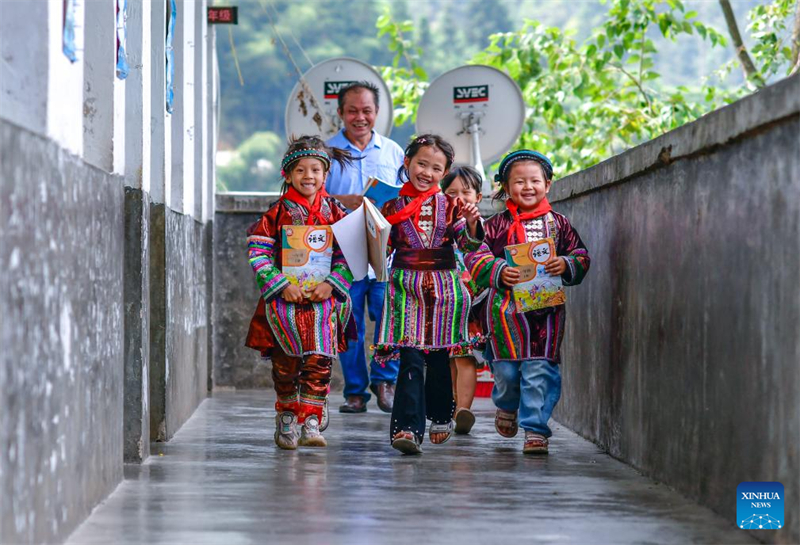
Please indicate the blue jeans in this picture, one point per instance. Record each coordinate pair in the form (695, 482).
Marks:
(531, 386)
(354, 361)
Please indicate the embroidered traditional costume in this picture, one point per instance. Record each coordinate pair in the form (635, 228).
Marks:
(300, 338)
(537, 333)
(427, 303)
(297, 329)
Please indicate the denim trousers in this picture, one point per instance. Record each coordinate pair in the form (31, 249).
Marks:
(532, 387)
(424, 390)
(367, 295)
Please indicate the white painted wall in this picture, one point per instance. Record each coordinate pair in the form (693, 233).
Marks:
(118, 125)
(64, 78)
(200, 112)
(138, 97)
(158, 109)
(118, 144)
(99, 79)
(211, 123)
(183, 166)
(23, 70)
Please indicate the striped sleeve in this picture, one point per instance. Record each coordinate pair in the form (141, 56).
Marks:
(572, 249)
(485, 268)
(340, 278)
(261, 253)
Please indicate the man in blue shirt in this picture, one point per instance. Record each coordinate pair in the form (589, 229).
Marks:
(380, 158)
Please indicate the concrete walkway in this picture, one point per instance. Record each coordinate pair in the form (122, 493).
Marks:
(221, 480)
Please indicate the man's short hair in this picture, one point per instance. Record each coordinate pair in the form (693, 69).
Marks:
(356, 86)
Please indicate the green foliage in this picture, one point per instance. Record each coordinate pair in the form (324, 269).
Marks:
(407, 83)
(255, 165)
(591, 99)
(772, 51)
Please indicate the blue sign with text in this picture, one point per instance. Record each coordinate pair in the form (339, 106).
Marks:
(759, 506)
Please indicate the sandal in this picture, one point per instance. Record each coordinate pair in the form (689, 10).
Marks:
(465, 419)
(505, 422)
(535, 443)
(440, 428)
(406, 442)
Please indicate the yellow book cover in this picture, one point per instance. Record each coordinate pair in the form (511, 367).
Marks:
(306, 254)
(536, 289)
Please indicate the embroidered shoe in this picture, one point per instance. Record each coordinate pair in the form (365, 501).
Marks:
(323, 425)
(310, 436)
(535, 443)
(286, 430)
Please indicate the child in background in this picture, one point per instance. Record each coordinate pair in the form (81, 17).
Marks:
(525, 348)
(464, 183)
(300, 331)
(426, 303)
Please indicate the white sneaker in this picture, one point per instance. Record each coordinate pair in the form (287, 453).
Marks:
(286, 430)
(310, 436)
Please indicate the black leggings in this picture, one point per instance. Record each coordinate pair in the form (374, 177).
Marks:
(418, 396)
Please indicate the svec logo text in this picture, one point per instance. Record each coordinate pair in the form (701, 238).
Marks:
(759, 506)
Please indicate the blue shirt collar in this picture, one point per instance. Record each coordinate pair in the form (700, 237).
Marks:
(375, 142)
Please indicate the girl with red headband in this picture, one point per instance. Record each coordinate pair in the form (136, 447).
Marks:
(426, 304)
(300, 331)
(524, 347)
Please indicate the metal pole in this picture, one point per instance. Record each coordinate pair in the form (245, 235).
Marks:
(474, 131)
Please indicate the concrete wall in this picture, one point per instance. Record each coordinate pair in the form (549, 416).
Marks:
(99, 272)
(236, 293)
(682, 351)
(61, 333)
(187, 318)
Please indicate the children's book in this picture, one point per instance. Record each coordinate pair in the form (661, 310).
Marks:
(363, 236)
(378, 230)
(306, 254)
(380, 191)
(536, 289)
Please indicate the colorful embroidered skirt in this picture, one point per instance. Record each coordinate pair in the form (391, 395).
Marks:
(426, 310)
(302, 329)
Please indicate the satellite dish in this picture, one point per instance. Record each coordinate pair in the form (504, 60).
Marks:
(478, 109)
(312, 106)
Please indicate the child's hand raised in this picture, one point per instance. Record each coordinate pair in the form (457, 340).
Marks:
(292, 294)
(321, 293)
(556, 266)
(509, 276)
(472, 215)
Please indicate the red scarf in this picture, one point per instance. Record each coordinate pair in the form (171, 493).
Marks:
(516, 227)
(413, 208)
(314, 210)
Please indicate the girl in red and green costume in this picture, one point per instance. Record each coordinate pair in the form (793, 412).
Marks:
(427, 305)
(301, 332)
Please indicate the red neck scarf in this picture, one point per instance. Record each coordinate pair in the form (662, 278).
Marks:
(413, 208)
(314, 210)
(516, 227)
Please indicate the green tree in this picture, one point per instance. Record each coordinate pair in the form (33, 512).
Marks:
(590, 99)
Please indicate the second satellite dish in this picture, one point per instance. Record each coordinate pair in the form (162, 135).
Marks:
(311, 108)
(478, 109)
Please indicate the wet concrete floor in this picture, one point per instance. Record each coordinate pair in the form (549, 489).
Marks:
(222, 480)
